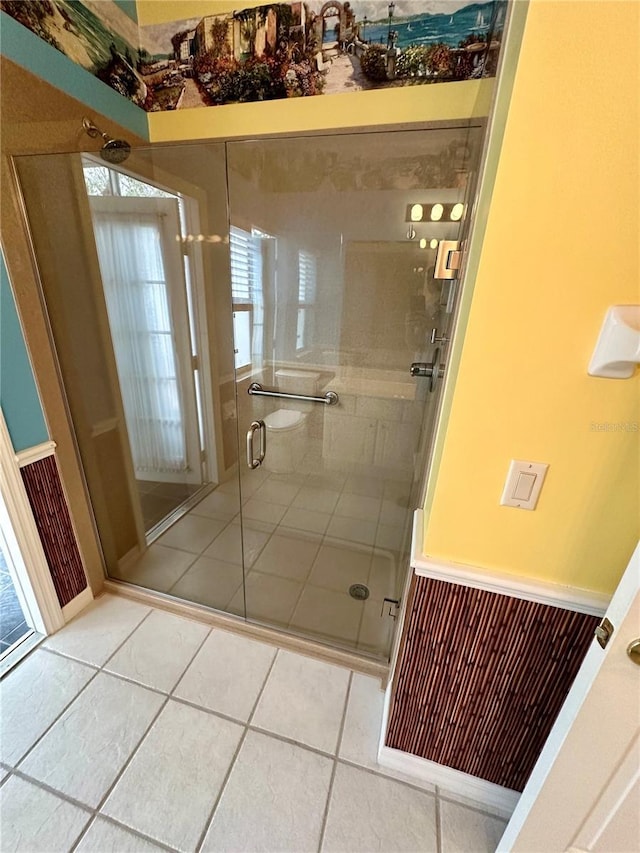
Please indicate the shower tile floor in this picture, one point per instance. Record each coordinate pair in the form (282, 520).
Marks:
(307, 539)
(147, 731)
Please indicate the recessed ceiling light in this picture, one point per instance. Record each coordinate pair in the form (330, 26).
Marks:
(434, 243)
(423, 243)
(436, 212)
(456, 212)
(416, 212)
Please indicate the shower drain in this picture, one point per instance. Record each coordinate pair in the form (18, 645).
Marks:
(359, 591)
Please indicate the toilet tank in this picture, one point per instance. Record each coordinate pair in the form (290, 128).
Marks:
(293, 381)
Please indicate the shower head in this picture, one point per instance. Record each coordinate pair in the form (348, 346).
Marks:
(113, 151)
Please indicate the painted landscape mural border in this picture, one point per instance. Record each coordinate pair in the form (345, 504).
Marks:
(272, 51)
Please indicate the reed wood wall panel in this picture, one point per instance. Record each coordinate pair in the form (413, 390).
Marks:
(44, 490)
(482, 678)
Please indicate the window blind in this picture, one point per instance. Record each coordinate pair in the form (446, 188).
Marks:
(307, 273)
(246, 265)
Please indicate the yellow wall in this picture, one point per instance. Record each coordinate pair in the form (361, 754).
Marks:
(442, 102)
(561, 245)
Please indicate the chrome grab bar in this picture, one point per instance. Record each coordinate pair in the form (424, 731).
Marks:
(329, 399)
(252, 460)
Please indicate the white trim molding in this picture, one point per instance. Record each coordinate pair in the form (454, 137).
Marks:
(23, 541)
(487, 795)
(82, 600)
(34, 454)
(502, 583)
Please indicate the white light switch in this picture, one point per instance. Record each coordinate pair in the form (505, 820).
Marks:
(523, 484)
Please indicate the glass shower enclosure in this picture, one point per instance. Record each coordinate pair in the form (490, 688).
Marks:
(236, 325)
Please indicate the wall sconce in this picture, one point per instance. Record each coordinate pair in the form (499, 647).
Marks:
(420, 212)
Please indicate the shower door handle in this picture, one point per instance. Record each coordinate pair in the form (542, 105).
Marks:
(254, 461)
(432, 370)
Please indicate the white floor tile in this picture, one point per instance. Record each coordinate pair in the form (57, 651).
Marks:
(306, 519)
(466, 831)
(277, 492)
(31, 697)
(227, 674)
(371, 813)
(168, 790)
(382, 575)
(228, 546)
(219, 505)
(352, 530)
(105, 837)
(376, 628)
(287, 556)
(192, 533)
(159, 651)
(339, 567)
(363, 722)
(267, 513)
(269, 598)
(389, 536)
(274, 799)
(369, 486)
(96, 633)
(327, 613)
(34, 820)
(317, 499)
(210, 582)
(393, 512)
(158, 568)
(303, 700)
(82, 754)
(358, 506)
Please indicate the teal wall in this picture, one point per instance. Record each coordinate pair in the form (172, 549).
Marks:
(27, 50)
(129, 8)
(18, 393)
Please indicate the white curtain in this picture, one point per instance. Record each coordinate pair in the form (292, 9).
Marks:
(136, 292)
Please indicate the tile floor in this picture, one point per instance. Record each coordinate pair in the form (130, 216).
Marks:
(307, 538)
(148, 732)
(158, 500)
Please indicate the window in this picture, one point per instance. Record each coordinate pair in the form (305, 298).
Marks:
(307, 274)
(246, 292)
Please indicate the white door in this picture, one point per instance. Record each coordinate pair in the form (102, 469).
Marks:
(584, 792)
(141, 263)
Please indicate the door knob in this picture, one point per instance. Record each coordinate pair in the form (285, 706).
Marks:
(432, 370)
(633, 650)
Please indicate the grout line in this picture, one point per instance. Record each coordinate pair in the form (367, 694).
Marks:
(209, 821)
(134, 751)
(54, 721)
(51, 790)
(413, 785)
(485, 812)
(135, 832)
(216, 801)
(334, 769)
(191, 660)
(97, 672)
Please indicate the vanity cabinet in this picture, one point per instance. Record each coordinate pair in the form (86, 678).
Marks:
(368, 441)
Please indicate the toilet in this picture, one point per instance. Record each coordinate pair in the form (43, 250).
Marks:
(287, 426)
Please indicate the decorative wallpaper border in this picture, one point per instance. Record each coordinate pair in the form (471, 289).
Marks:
(273, 51)
(482, 678)
(48, 504)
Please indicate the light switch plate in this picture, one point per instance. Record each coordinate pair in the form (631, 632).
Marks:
(523, 484)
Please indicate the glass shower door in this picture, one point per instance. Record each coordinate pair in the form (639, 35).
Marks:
(333, 243)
